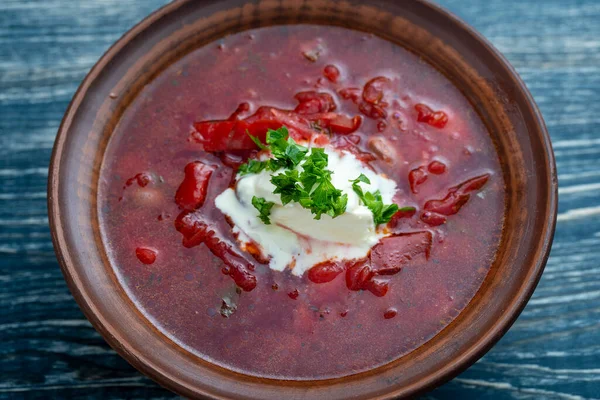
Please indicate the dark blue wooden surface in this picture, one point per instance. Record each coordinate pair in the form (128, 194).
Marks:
(49, 350)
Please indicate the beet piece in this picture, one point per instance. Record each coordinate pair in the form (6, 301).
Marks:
(332, 73)
(416, 177)
(374, 90)
(192, 191)
(325, 271)
(437, 119)
(146, 255)
(393, 252)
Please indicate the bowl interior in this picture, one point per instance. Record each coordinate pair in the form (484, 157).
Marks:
(464, 57)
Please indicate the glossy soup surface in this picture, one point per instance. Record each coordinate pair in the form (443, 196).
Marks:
(290, 327)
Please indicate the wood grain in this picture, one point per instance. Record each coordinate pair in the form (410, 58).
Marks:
(49, 350)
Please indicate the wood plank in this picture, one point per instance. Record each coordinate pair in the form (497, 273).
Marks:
(49, 350)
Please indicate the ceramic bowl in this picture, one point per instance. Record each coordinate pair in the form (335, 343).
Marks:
(463, 55)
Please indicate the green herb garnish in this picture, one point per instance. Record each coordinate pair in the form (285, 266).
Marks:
(252, 167)
(256, 141)
(381, 213)
(264, 208)
(311, 187)
(323, 197)
(286, 153)
(287, 185)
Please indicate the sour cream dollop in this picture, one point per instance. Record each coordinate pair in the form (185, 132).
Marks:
(296, 240)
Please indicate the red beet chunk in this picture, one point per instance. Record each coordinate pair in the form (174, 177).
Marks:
(213, 135)
(196, 230)
(393, 252)
(193, 228)
(349, 144)
(436, 167)
(457, 196)
(299, 126)
(404, 212)
(374, 111)
(378, 286)
(240, 272)
(353, 94)
(312, 102)
(142, 179)
(332, 73)
(325, 272)
(432, 218)
(231, 135)
(344, 125)
(390, 313)
(374, 90)
(320, 139)
(294, 294)
(235, 158)
(337, 123)
(358, 274)
(449, 205)
(242, 108)
(192, 191)
(146, 255)
(473, 184)
(417, 177)
(437, 119)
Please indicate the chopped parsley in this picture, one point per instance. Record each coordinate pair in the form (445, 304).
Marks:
(264, 208)
(311, 188)
(252, 167)
(381, 213)
(257, 141)
(286, 153)
(310, 185)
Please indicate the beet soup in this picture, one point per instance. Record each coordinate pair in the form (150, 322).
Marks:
(301, 202)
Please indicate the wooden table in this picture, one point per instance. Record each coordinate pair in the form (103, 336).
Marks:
(49, 350)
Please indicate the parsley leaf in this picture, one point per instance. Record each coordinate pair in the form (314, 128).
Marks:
(312, 188)
(256, 141)
(305, 178)
(287, 184)
(286, 153)
(275, 135)
(295, 153)
(314, 169)
(374, 202)
(264, 208)
(387, 213)
(252, 167)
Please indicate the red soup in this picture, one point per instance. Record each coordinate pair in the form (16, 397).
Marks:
(287, 290)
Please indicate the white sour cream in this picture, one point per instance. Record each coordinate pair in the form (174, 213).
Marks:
(294, 238)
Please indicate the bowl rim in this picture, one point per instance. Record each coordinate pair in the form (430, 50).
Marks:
(166, 378)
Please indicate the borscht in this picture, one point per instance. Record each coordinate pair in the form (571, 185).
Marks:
(301, 202)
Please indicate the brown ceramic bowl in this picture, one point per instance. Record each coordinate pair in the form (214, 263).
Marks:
(458, 51)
